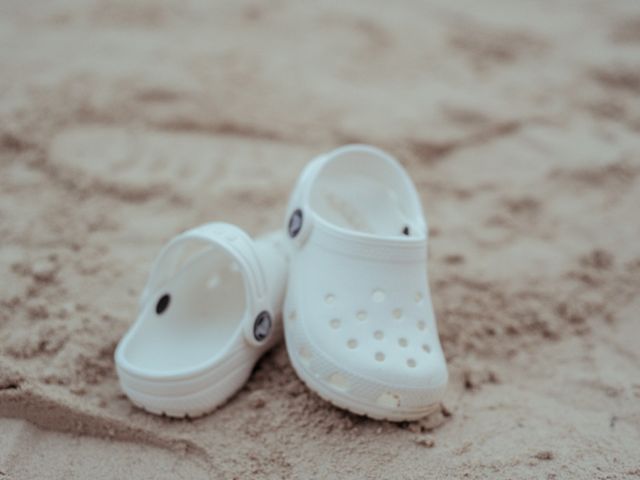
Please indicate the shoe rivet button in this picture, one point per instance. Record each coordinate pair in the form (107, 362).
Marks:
(262, 326)
(295, 223)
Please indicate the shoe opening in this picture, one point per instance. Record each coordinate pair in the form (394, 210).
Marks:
(193, 312)
(362, 189)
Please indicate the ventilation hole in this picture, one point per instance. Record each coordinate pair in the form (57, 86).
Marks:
(352, 343)
(406, 231)
(335, 323)
(305, 354)
(378, 334)
(389, 400)
(293, 315)
(421, 325)
(411, 363)
(397, 313)
(403, 342)
(213, 282)
(339, 381)
(379, 356)
(426, 348)
(329, 298)
(163, 303)
(378, 295)
(419, 297)
(361, 315)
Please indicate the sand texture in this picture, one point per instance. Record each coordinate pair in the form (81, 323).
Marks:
(125, 122)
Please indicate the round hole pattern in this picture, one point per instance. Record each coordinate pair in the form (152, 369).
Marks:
(352, 343)
(304, 352)
(293, 315)
(361, 315)
(378, 295)
(335, 323)
(419, 297)
(329, 298)
(403, 342)
(339, 381)
(379, 356)
(305, 355)
(213, 282)
(411, 363)
(422, 325)
(426, 348)
(389, 400)
(397, 313)
(378, 334)
(163, 303)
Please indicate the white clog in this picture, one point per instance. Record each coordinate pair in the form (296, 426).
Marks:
(210, 309)
(359, 323)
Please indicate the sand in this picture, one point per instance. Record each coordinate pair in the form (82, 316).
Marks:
(123, 123)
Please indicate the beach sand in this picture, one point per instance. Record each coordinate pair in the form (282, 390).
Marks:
(124, 122)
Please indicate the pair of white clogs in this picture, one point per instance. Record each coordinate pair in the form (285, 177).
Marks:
(357, 317)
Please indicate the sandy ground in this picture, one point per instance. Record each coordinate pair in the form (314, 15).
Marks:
(123, 123)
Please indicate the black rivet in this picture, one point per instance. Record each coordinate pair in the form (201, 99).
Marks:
(406, 230)
(163, 303)
(295, 223)
(262, 326)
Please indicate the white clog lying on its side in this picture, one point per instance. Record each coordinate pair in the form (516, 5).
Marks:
(210, 309)
(359, 324)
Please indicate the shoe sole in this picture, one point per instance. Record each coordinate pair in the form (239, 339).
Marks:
(344, 402)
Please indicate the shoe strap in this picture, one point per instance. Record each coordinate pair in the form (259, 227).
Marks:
(301, 220)
(241, 248)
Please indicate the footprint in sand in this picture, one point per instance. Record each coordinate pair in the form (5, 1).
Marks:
(137, 164)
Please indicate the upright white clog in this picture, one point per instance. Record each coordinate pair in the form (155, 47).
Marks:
(359, 323)
(210, 309)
